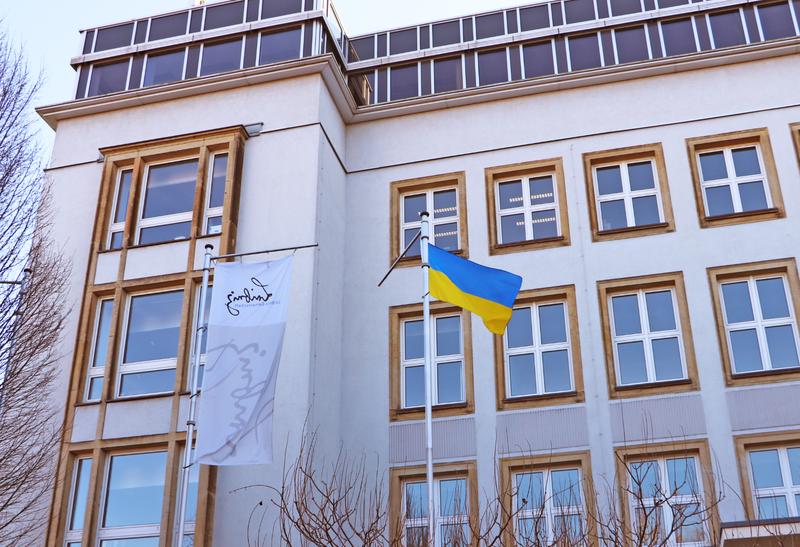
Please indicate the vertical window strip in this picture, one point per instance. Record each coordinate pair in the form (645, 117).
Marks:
(98, 357)
(79, 495)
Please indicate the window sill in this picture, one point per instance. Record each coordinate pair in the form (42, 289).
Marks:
(741, 218)
(87, 403)
(534, 401)
(439, 411)
(633, 231)
(528, 245)
(409, 261)
(146, 245)
(141, 397)
(653, 388)
(764, 376)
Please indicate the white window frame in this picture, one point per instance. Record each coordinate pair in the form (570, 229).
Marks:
(124, 532)
(732, 181)
(163, 220)
(183, 68)
(537, 349)
(140, 366)
(100, 370)
(666, 515)
(788, 490)
(526, 209)
(434, 222)
(441, 521)
(73, 536)
(208, 211)
(627, 195)
(646, 337)
(435, 360)
(759, 323)
(203, 49)
(549, 512)
(118, 227)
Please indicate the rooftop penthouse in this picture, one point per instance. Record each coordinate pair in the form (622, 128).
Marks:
(527, 46)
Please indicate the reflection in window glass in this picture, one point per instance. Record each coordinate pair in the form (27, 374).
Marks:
(114, 37)
(224, 15)
(402, 41)
(489, 25)
(80, 493)
(135, 489)
(221, 57)
(276, 8)
(108, 78)
(579, 10)
(726, 28)
(446, 33)
(164, 67)
(776, 20)
(168, 25)
(170, 189)
(624, 7)
(775, 491)
(282, 45)
(153, 327)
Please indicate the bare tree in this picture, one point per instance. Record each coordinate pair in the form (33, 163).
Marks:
(344, 504)
(32, 312)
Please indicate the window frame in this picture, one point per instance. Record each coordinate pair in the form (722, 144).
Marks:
(563, 294)
(521, 171)
(398, 315)
(435, 183)
(679, 448)
(787, 268)
(218, 211)
(139, 157)
(674, 281)
(400, 476)
(99, 371)
(512, 466)
(744, 444)
(623, 156)
(119, 227)
(76, 535)
(738, 139)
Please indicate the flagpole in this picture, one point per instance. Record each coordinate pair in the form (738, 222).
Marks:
(193, 393)
(426, 325)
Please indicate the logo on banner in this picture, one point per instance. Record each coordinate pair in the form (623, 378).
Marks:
(257, 295)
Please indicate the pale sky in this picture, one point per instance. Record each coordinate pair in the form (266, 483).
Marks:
(49, 33)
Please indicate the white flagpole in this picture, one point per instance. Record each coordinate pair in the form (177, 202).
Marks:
(426, 325)
(193, 393)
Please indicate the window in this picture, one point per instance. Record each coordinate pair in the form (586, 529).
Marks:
(120, 209)
(166, 210)
(446, 33)
(280, 45)
(150, 346)
(402, 41)
(538, 358)
(625, 7)
(451, 360)
(159, 182)
(191, 501)
(203, 336)
(538, 60)
(79, 494)
(492, 24)
(775, 479)
(221, 57)
(448, 74)
(678, 37)
(629, 192)
(168, 26)
(668, 490)
(164, 67)
(99, 351)
(584, 51)
(727, 29)
(647, 335)
(549, 497)
(735, 178)
(108, 77)
(756, 315)
(776, 20)
(529, 206)
(455, 499)
(492, 67)
(224, 15)
(443, 197)
(632, 44)
(215, 193)
(133, 493)
(665, 495)
(114, 37)
(403, 82)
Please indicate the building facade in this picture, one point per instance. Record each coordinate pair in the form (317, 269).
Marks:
(636, 161)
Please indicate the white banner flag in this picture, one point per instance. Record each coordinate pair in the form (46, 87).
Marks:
(245, 337)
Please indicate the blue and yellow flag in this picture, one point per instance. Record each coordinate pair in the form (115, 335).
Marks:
(487, 292)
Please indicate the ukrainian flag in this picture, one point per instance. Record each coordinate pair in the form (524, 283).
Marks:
(487, 292)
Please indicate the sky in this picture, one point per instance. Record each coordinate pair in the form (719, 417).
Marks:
(49, 37)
